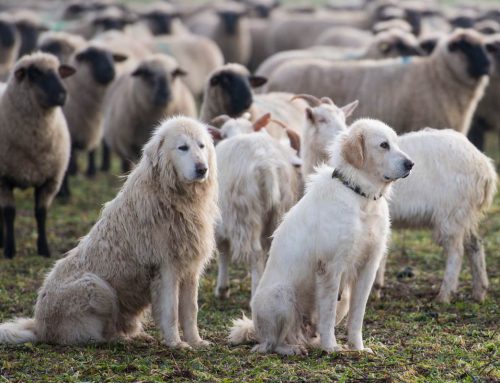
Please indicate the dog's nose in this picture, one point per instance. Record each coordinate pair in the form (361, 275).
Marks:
(201, 170)
(408, 164)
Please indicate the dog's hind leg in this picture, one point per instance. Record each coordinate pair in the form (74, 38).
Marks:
(258, 264)
(343, 304)
(224, 260)
(475, 253)
(454, 251)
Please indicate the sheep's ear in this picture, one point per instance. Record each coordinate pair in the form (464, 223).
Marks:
(256, 81)
(214, 80)
(178, 72)
(215, 133)
(66, 71)
(294, 138)
(353, 149)
(310, 115)
(349, 108)
(20, 74)
(119, 57)
(262, 122)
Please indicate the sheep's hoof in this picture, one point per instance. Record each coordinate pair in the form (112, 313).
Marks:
(43, 249)
(222, 292)
(443, 297)
(9, 252)
(479, 296)
(91, 173)
(63, 193)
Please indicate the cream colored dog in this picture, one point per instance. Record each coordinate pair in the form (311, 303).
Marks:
(148, 247)
(332, 240)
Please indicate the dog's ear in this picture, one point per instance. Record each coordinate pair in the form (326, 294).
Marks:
(353, 149)
(152, 150)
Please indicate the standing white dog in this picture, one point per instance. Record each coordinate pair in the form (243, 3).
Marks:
(332, 240)
(148, 247)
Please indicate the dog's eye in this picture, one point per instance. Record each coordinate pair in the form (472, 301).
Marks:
(202, 146)
(184, 148)
(385, 145)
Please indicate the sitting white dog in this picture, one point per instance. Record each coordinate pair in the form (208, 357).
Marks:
(332, 240)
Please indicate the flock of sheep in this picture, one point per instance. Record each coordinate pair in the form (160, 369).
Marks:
(276, 85)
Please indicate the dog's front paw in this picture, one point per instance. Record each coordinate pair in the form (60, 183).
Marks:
(180, 345)
(360, 349)
(199, 343)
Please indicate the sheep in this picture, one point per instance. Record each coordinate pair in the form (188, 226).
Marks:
(34, 141)
(344, 36)
(487, 115)
(400, 24)
(60, 44)
(257, 185)
(446, 85)
(452, 186)
(163, 19)
(197, 55)
(29, 27)
(83, 110)
(230, 32)
(9, 45)
(387, 44)
(139, 99)
(228, 91)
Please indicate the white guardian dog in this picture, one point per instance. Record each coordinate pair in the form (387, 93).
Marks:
(149, 246)
(332, 240)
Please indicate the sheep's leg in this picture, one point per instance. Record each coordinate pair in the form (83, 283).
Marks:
(165, 306)
(1, 227)
(454, 251)
(258, 265)
(380, 278)
(222, 288)
(7, 204)
(475, 253)
(327, 291)
(359, 297)
(43, 198)
(106, 158)
(91, 169)
(188, 310)
(73, 163)
(64, 191)
(125, 166)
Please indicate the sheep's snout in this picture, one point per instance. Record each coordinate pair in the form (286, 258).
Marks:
(161, 90)
(53, 91)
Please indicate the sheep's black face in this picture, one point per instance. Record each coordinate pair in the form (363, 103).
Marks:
(51, 91)
(109, 23)
(230, 21)
(263, 11)
(101, 64)
(428, 45)
(237, 91)
(462, 22)
(52, 47)
(160, 23)
(74, 11)
(7, 34)
(405, 49)
(29, 37)
(478, 63)
(158, 85)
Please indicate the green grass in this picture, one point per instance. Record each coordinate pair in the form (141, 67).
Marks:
(414, 339)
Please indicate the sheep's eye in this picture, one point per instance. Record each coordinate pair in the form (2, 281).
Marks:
(183, 148)
(385, 145)
(202, 146)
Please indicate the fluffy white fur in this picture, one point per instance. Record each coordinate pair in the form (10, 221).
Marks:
(148, 247)
(340, 251)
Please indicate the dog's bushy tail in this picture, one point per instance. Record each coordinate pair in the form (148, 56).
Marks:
(20, 330)
(242, 331)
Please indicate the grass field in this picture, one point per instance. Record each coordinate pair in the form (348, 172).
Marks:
(414, 339)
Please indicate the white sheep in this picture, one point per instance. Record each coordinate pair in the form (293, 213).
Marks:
(34, 141)
(258, 183)
(451, 187)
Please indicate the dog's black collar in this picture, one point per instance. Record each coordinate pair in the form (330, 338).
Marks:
(355, 188)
